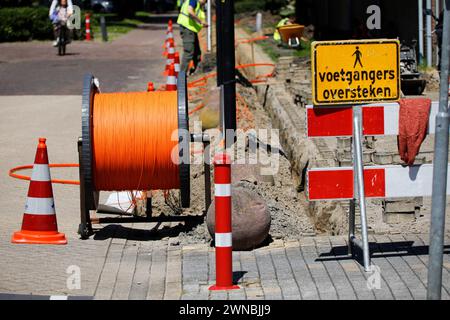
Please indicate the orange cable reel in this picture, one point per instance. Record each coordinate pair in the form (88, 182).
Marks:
(136, 140)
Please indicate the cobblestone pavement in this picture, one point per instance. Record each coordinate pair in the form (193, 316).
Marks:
(314, 268)
(135, 264)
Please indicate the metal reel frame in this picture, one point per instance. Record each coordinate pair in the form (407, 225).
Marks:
(89, 197)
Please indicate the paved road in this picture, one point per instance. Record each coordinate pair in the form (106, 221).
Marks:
(128, 63)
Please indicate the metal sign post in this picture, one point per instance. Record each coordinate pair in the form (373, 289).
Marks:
(439, 199)
(209, 36)
(359, 193)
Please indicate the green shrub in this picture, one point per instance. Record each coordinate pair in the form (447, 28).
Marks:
(241, 6)
(33, 23)
(22, 24)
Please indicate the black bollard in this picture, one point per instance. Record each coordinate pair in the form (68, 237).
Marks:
(103, 27)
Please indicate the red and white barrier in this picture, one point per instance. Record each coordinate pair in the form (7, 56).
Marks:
(378, 120)
(88, 27)
(223, 230)
(379, 182)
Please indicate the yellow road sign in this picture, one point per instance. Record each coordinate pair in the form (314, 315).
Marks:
(355, 71)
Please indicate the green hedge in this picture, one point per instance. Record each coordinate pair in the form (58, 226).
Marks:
(249, 5)
(21, 24)
(32, 23)
(241, 6)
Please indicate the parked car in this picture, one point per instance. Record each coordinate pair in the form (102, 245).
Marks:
(102, 6)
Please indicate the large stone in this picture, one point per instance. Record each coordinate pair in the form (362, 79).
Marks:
(250, 172)
(250, 218)
(210, 114)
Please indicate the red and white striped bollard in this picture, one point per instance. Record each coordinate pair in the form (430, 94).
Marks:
(88, 27)
(223, 230)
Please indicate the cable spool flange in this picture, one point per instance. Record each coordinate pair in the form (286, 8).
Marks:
(184, 141)
(90, 89)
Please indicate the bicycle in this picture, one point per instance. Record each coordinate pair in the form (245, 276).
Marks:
(62, 36)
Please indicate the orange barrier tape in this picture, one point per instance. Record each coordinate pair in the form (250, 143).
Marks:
(203, 80)
(244, 40)
(197, 108)
(12, 173)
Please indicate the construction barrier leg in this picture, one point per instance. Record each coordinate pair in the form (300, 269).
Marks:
(351, 226)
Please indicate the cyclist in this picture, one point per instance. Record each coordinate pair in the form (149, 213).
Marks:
(60, 11)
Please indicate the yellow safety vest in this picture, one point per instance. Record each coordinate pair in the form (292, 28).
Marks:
(276, 34)
(186, 21)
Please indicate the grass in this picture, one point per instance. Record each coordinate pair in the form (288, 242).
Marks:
(271, 48)
(116, 27)
(305, 49)
(274, 52)
(424, 68)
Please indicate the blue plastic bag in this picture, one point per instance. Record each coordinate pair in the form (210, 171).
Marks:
(54, 17)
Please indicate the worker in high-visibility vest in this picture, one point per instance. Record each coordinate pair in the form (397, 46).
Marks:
(191, 19)
(283, 22)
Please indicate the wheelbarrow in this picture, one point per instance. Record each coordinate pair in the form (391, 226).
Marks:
(291, 34)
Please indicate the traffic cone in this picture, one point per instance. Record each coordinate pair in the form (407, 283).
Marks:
(177, 63)
(150, 87)
(169, 37)
(170, 26)
(170, 57)
(39, 224)
(171, 84)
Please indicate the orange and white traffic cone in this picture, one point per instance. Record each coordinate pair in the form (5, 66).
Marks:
(39, 224)
(177, 63)
(169, 37)
(170, 57)
(171, 84)
(170, 26)
(150, 87)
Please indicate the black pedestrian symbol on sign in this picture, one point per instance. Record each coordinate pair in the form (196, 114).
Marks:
(358, 56)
